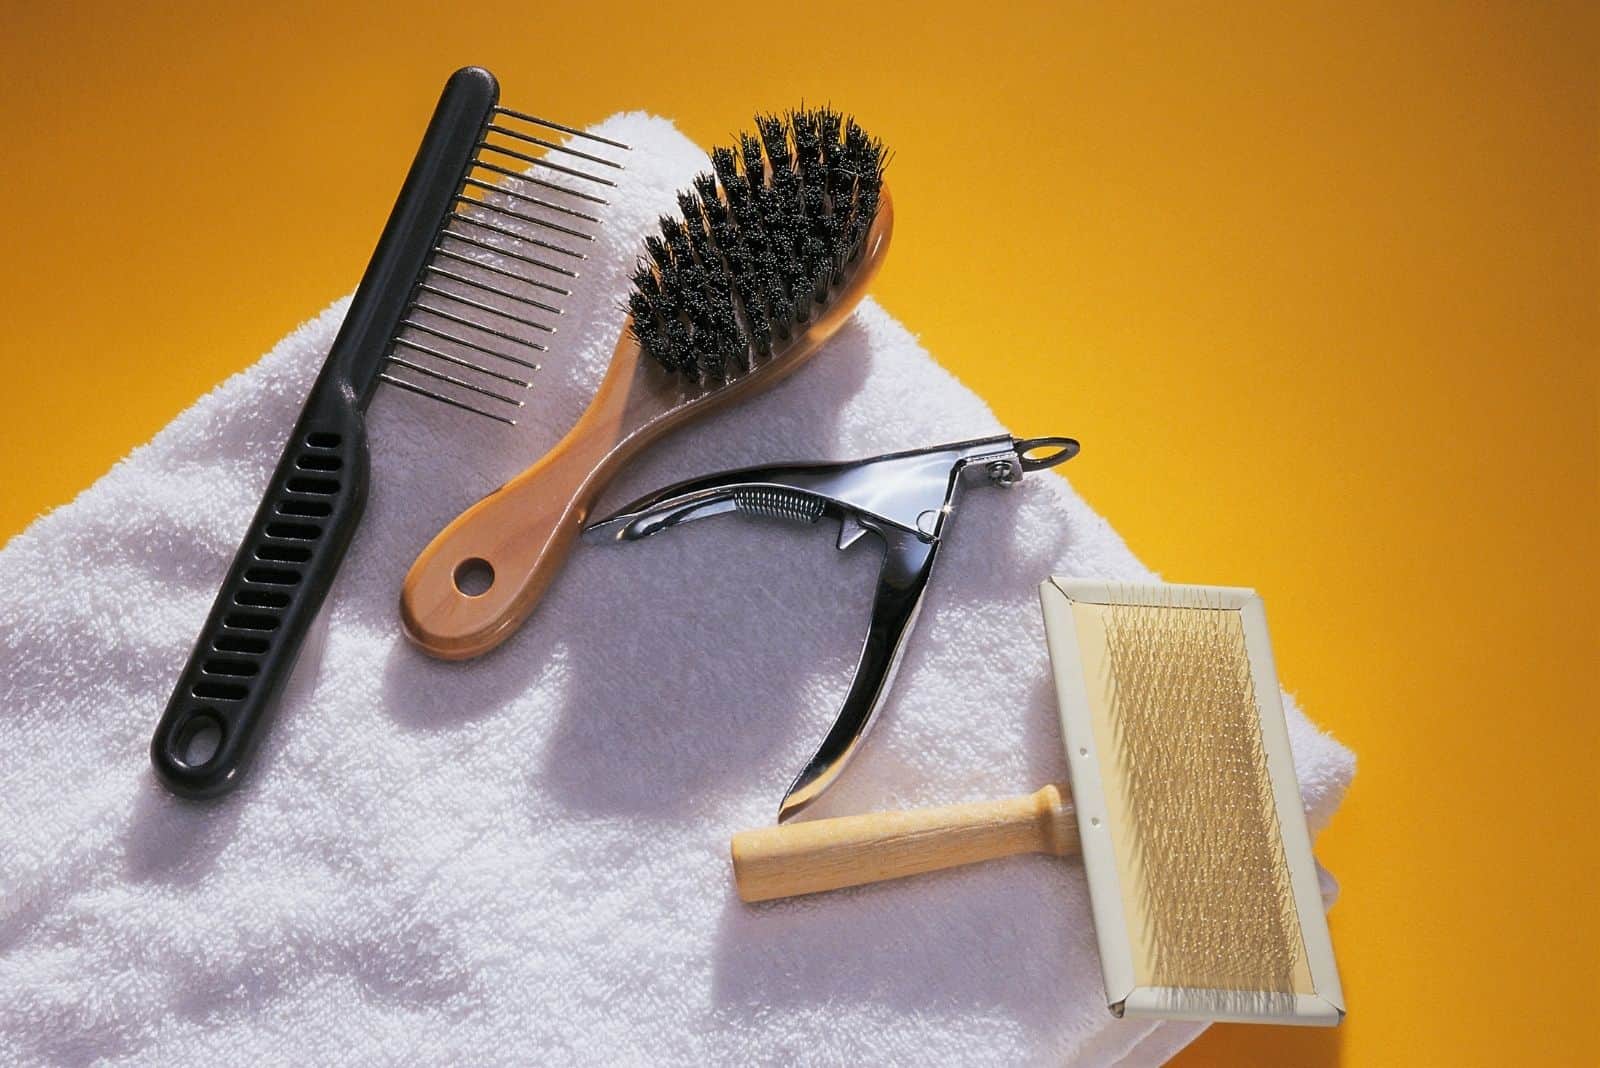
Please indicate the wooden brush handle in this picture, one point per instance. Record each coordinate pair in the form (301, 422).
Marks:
(817, 855)
(517, 537)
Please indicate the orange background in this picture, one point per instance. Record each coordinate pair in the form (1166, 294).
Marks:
(1315, 286)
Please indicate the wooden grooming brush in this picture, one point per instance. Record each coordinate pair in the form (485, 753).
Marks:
(772, 253)
(1185, 808)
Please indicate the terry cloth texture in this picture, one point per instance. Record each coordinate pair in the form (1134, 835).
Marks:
(524, 859)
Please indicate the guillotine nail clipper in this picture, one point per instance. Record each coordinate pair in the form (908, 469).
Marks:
(904, 498)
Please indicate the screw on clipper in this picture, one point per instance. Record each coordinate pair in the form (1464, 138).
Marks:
(903, 498)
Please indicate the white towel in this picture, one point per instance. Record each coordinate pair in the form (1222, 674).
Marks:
(523, 859)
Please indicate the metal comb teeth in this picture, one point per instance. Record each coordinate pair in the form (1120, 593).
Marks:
(504, 257)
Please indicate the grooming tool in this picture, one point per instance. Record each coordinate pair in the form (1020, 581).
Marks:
(904, 498)
(454, 306)
(771, 254)
(1186, 810)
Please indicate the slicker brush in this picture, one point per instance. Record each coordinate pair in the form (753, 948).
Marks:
(770, 252)
(1184, 805)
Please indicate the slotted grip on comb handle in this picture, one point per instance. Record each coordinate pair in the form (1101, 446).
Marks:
(269, 599)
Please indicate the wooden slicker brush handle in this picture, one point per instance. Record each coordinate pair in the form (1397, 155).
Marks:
(812, 856)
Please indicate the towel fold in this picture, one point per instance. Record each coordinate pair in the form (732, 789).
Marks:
(523, 859)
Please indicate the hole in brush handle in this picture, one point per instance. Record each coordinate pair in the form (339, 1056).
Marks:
(483, 575)
(474, 576)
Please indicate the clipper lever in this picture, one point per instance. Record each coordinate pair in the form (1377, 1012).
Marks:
(903, 498)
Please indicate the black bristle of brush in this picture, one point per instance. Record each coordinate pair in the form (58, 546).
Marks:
(759, 244)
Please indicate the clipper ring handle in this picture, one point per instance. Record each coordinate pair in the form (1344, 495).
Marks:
(1037, 454)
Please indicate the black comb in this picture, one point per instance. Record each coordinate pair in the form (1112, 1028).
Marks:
(453, 306)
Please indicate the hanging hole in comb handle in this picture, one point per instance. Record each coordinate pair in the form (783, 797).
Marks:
(1040, 453)
(199, 740)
